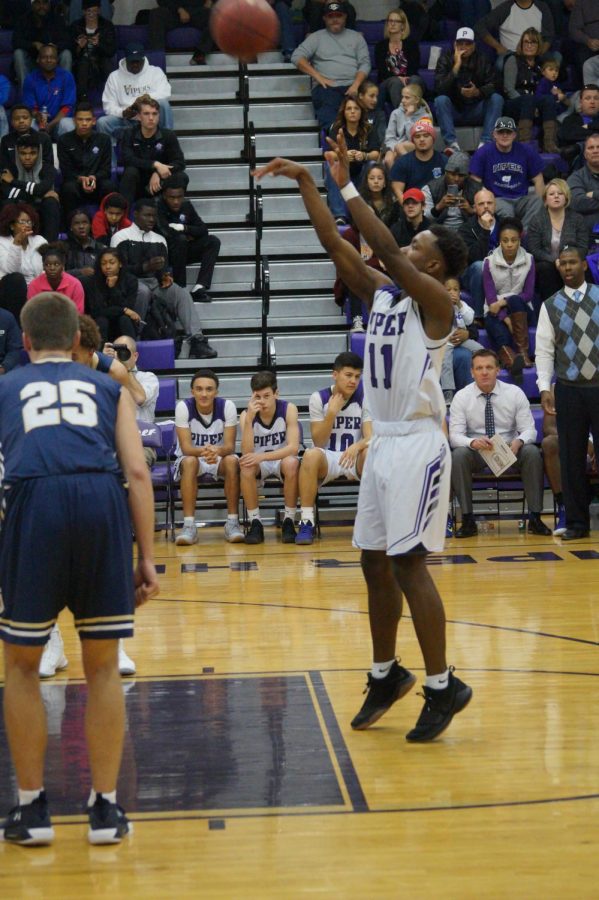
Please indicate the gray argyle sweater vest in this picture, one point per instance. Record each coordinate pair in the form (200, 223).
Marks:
(576, 327)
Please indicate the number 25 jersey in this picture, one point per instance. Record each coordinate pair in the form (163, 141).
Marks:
(57, 418)
(401, 364)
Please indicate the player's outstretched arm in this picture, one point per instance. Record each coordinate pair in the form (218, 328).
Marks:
(141, 499)
(429, 293)
(361, 279)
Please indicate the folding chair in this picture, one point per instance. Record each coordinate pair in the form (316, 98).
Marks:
(161, 438)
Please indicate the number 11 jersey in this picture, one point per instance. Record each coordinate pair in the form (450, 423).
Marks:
(401, 364)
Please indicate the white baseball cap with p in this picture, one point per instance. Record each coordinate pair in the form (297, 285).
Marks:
(464, 34)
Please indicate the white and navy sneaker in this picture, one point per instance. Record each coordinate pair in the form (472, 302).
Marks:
(29, 825)
(126, 664)
(53, 658)
(108, 823)
(560, 525)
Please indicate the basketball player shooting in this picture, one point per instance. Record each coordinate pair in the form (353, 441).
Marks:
(404, 491)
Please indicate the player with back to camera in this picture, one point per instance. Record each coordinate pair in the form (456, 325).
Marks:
(405, 483)
(65, 433)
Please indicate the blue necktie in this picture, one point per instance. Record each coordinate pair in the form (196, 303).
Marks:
(578, 296)
(489, 417)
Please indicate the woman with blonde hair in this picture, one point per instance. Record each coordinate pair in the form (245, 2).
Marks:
(554, 228)
(396, 58)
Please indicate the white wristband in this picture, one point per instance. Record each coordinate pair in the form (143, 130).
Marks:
(349, 192)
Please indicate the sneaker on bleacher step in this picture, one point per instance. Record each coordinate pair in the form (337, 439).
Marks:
(560, 525)
(29, 824)
(108, 823)
(199, 348)
(53, 658)
(305, 534)
(357, 326)
(233, 533)
(187, 536)
(454, 147)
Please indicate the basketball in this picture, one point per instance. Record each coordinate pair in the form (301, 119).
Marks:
(244, 28)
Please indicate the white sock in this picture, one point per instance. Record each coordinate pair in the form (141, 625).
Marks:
(111, 797)
(381, 669)
(189, 522)
(290, 512)
(254, 514)
(27, 797)
(233, 518)
(308, 514)
(438, 682)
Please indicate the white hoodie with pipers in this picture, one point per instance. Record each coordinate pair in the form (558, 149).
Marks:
(123, 87)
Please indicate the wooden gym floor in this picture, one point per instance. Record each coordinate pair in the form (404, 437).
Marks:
(241, 773)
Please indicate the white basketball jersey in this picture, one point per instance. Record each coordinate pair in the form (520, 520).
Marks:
(401, 364)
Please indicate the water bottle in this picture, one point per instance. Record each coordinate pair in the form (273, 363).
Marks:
(44, 112)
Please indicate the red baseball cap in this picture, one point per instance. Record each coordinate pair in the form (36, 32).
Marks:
(413, 194)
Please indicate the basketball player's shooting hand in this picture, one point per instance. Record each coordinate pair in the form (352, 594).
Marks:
(338, 159)
(280, 166)
(146, 582)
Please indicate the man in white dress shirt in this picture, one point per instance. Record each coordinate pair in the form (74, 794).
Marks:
(480, 410)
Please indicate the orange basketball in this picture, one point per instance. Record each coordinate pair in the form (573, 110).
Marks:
(244, 28)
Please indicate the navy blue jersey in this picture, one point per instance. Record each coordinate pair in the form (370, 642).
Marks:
(57, 418)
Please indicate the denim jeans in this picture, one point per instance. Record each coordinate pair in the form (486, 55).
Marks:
(288, 43)
(326, 103)
(484, 112)
(472, 281)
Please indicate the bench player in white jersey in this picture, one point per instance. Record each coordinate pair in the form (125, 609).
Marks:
(206, 430)
(404, 490)
(341, 428)
(269, 447)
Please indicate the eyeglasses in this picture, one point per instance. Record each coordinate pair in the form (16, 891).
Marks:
(23, 222)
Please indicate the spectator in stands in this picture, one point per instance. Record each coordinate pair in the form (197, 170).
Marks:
(35, 29)
(82, 249)
(175, 14)
(20, 262)
(478, 412)
(315, 14)
(11, 343)
(421, 165)
(584, 183)
(187, 238)
(150, 154)
(93, 44)
(368, 95)
(411, 109)
(54, 278)
(31, 179)
(341, 428)
(4, 95)
(76, 10)
(396, 58)
(413, 220)
(270, 438)
(21, 122)
(575, 128)
(449, 198)
(508, 281)
(287, 34)
(456, 370)
(521, 78)
(506, 167)
(567, 344)
(584, 31)
(133, 78)
(336, 59)
(502, 27)
(553, 229)
(111, 296)
(145, 254)
(362, 146)
(50, 92)
(481, 235)
(549, 90)
(206, 431)
(110, 218)
(465, 90)
(84, 158)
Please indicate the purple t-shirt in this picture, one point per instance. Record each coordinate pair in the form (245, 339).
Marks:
(506, 174)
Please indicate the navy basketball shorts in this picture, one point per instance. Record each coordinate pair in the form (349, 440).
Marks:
(66, 541)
